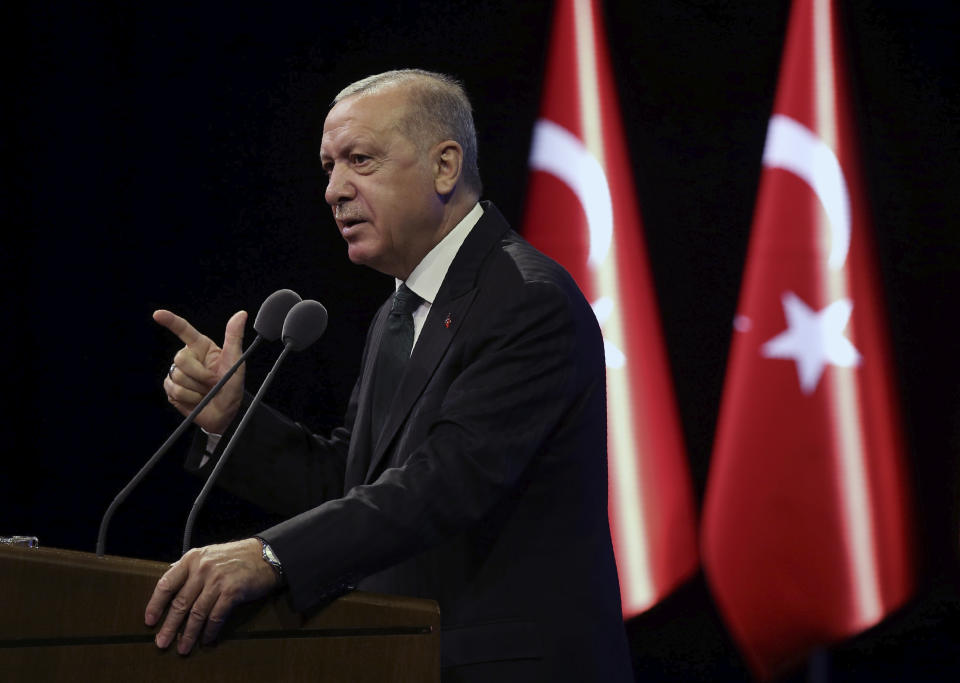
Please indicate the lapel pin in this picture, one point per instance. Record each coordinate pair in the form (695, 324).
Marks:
(448, 321)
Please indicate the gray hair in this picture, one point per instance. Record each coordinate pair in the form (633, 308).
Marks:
(440, 110)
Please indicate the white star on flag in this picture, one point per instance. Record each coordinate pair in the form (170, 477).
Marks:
(813, 339)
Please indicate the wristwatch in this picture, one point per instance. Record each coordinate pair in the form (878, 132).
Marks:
(271, 558)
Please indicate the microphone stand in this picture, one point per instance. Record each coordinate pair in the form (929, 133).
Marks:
(192, 518)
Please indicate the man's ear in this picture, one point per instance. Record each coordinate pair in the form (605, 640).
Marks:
(448, 165)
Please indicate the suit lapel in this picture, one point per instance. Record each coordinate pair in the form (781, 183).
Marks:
(452, 304)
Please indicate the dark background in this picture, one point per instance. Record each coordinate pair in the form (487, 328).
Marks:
(166, 156)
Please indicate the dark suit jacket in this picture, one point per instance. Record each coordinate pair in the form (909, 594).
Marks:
(487, 488)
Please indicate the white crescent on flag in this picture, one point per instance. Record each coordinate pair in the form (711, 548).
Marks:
(795, 148)
(559, 152)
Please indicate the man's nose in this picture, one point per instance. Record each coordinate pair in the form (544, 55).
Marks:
(339, 188)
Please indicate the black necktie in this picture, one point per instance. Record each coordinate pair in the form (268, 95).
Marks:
(393, 354)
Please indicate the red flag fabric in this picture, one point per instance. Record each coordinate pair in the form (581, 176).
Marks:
(806, 528)
(581, 210)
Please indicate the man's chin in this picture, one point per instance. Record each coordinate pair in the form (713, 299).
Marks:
(359, 256)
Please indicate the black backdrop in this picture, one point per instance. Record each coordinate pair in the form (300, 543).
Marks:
(165, 156)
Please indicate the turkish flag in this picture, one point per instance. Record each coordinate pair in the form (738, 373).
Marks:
(581, 210)
(806, 528)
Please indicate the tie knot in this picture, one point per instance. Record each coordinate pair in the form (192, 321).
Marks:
(405, 301)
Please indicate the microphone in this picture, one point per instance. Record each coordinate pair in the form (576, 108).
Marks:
(305, 323)
(268, 325)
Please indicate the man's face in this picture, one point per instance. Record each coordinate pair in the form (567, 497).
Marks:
(380, 186)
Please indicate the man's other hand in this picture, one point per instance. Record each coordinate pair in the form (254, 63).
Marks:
(203, 587)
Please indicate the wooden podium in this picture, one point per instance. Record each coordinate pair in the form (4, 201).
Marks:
(71, 616)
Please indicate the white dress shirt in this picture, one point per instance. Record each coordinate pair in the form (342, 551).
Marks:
(426, 278)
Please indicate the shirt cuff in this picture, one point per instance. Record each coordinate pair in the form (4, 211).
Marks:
(212, 441)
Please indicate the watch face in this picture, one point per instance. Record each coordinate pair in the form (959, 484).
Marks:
(271, 558)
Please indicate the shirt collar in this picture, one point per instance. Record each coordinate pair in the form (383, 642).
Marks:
(426, 278)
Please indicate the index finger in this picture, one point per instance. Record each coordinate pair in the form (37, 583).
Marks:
(165, 589)
(187, 333)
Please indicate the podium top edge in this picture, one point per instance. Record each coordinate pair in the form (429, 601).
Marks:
(78, 558)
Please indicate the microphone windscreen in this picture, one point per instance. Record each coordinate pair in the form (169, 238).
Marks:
(305, 323)
(272, 313)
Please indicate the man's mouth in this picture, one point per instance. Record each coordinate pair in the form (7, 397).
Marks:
(347, 225)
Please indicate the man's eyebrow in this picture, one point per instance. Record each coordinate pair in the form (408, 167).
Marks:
(350, 145)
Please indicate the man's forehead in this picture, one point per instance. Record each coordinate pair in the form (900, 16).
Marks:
(362, 118)
(348, 130)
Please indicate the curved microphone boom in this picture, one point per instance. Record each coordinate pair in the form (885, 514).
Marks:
(268, 325)
(305, 323)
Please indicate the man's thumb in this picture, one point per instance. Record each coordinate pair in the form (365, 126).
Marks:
(233, 337)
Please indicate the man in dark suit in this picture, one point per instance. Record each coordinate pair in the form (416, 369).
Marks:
(476, 474)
